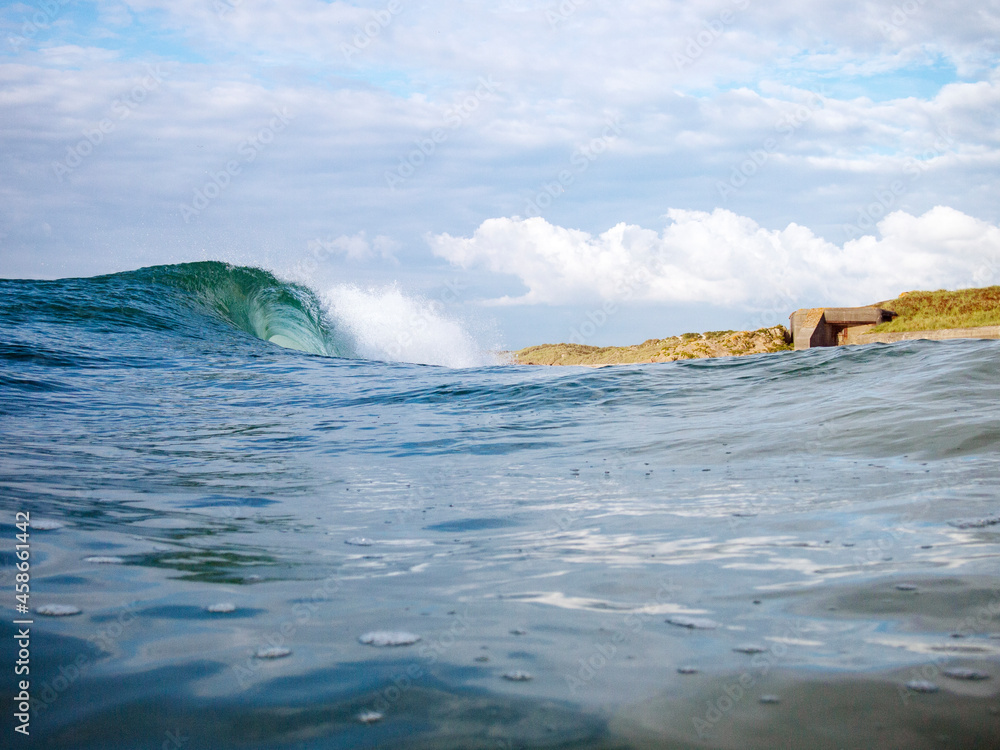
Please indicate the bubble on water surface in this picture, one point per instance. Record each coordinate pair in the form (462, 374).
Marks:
(960, 673)
(58, 610)
(517, 676)
(359, 541)
(389, 638)
(693, 623)
(44, 524)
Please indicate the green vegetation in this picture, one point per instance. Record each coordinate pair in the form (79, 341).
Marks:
(917, 311)
(685, 346)
(929, 311)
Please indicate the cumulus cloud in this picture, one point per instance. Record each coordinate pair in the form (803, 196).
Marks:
(721, 258)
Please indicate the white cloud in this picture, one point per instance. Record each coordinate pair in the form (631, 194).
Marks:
(621, 50)
(357, 247)
(684, 132)
(721, 258)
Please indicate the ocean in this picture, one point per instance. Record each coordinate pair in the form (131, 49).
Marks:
(261, 518)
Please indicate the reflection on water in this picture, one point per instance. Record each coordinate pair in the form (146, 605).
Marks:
(220, 505)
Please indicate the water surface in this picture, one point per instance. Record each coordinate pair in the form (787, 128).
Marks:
(818, 529)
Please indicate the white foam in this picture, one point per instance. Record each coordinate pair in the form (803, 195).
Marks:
(105, 560)
(58, 610)
(975, 523)
(922, 686)
(44, 524)
(359, 541)
(221, 607)
(274, 652)
(389, 638)
(517, 676)
(388, 325)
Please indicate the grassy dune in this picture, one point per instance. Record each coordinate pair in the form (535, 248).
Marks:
(686, 346)
(929, 311)
(918, 311)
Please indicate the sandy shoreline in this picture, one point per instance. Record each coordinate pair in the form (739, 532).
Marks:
(687, 346)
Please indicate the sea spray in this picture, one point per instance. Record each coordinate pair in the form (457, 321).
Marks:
(388, 325)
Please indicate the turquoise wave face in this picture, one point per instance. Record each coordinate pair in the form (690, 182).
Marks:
(179, 298)
(255, 302)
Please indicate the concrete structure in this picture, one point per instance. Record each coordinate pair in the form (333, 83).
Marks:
(833, 326)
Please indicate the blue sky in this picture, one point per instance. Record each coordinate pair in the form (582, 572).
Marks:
(659, 166)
